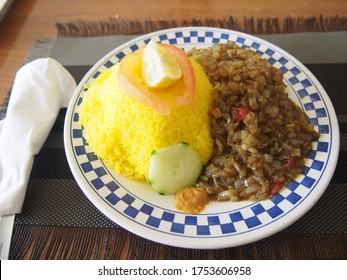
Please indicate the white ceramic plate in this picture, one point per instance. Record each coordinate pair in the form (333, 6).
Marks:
(137, 208)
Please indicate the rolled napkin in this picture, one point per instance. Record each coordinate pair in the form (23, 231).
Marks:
(40, 89)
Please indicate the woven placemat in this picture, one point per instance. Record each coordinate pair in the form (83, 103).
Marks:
(54, 198)
(79, 231)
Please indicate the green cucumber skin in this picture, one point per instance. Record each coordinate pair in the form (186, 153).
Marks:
(173, 168)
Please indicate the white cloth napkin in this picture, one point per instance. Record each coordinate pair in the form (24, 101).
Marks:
(40, 89)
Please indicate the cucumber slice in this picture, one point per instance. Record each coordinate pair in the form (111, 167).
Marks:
(173, 168)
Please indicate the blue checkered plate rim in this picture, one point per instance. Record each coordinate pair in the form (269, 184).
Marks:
(137, 208)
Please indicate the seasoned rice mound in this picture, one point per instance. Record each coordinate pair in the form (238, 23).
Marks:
(123, 132)
(256, 153)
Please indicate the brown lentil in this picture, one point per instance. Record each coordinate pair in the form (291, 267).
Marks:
(260, 135)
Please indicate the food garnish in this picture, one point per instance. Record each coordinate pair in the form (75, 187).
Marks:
(160, 68)
(134, 85)
(157, 66)
(187, 76)
(173, 168)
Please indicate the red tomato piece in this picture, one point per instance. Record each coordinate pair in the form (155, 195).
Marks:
(241, 112)
(275, 187)
(135, 86)
(187, 74)
(291, 162)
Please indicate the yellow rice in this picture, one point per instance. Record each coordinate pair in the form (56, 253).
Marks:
(123, 132)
